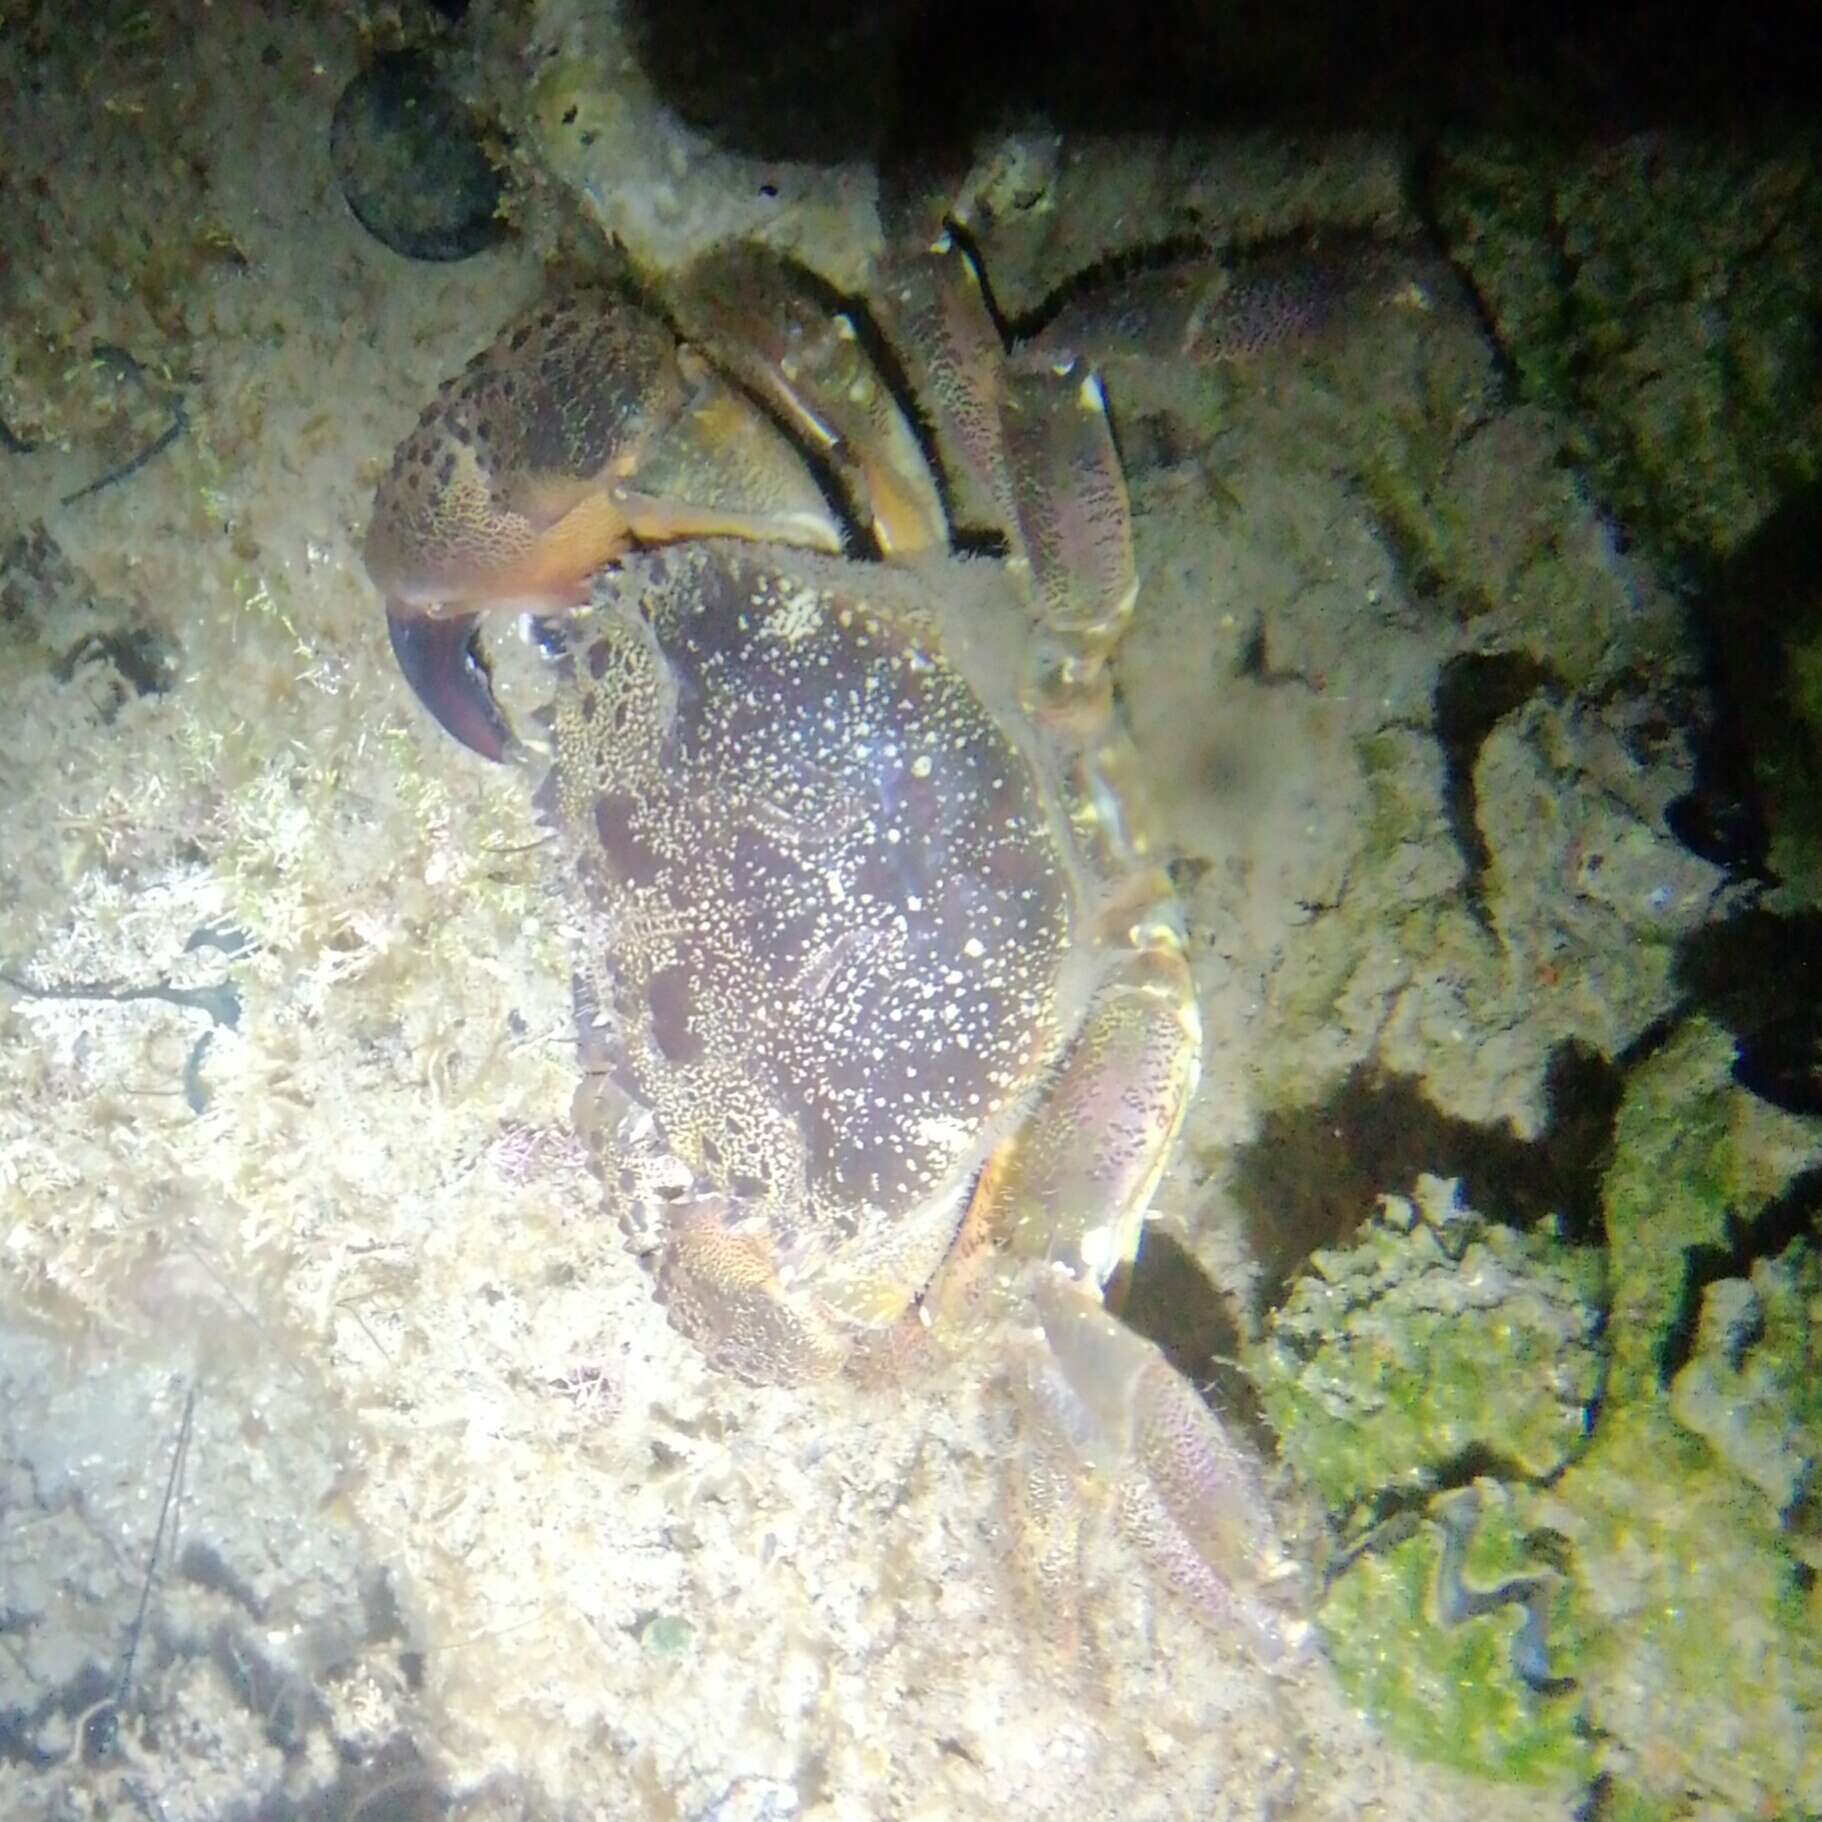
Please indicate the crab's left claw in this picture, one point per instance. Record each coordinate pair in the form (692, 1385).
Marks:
(437, 655)
(584, 432)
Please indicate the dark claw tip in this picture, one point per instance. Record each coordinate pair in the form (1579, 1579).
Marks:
(439, 662)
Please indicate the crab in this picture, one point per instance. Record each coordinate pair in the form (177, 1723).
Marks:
(887, 1022)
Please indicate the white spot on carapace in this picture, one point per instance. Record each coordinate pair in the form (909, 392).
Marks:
(796, 618)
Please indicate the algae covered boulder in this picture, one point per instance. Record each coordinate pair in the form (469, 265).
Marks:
(1435, 1340)
(1576, 1487)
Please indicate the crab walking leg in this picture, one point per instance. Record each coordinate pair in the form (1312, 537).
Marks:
(934, 312)
(722, 1291)
(1074, 1182)
(1074, 522)
(1187, 1495)
(1077, 1178)
(1047, 1494)
(1067, 1196)
(1061, 1204)
(754, 315)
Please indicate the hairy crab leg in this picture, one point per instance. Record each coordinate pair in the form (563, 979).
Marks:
(934, 312)
(808, 363)
(1060, 1206)
(1187, 1495)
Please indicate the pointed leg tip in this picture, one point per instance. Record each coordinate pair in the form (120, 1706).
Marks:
(1189, 1497)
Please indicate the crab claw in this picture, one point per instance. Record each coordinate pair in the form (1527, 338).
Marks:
(437, 655)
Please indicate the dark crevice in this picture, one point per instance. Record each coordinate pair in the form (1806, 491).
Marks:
(1761, 604)
(386, 1624)
(1478, 1461)
(1760, 974)
(1256, 665)
(1169, 1299)
(387, 1783)
(1781, 1060)
(19, 1727)
(1599, 1804)
(285, 1707)
(221, 1001)
(37, 580)
(205, 1566)
(1314, 1174)
(1650, 1041)
(1474, 693)
(1794, 1215)
(1427, 167)
(143, 658)
(1422, 576)
(1720, 818)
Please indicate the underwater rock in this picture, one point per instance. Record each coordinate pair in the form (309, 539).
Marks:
(1666, 1515)
(1438, 1338)
(662, 188)
(1646, 1608)
(1639, 1602)
(1659, 289)
(411, 163)
(1442, 1631)
(1752, 1389)
(1439, 1346)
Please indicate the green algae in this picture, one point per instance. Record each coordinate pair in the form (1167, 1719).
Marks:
(1659, 294)
(1427, 1646)
(1752, 1389)
(1437, 1338)
(1639, 1601)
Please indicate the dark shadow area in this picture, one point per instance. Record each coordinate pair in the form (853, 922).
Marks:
(1760, 975)
(143, 660)
(1766, 600)
(1170, 1300)
(1474, 693)
(1314, 1174)
(1796, 1214)
(390, 1783)
(833, 78)
(86, 1689)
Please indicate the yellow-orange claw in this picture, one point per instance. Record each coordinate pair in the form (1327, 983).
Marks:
(1189, 1496)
